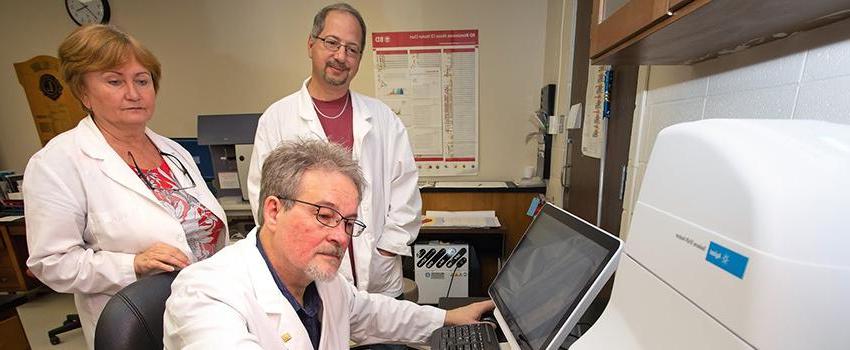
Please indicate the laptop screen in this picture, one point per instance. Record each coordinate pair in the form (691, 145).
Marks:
(552, 268)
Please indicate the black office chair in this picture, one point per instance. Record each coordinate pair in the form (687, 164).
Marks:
(132, 319)
(72, 322)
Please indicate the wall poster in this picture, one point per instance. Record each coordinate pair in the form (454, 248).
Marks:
(430, 80)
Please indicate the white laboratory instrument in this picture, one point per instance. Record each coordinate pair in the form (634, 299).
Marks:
(739, 240)
(441, 270)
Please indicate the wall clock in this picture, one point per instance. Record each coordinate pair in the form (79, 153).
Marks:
(88, 11)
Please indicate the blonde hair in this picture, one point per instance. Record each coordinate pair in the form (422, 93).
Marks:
(99, 47)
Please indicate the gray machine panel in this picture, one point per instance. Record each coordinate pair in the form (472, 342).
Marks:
(227, 129)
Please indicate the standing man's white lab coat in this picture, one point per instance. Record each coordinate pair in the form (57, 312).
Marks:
(391, 202)
(230, 301)
(88, 214)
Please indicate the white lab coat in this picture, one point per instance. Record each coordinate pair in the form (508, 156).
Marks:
(391, 202)
(88, 214)
(230, 301)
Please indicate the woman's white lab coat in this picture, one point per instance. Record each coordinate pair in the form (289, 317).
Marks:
(230, 301)
(88, 214)
(391, 202)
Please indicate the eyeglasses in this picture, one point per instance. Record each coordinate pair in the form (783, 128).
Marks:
(174, 160)
(333, 44)
(330, 217)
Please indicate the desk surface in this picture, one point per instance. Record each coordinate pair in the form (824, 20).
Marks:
(229, 203)
(429, 187)
(8, 219)
(457, 229)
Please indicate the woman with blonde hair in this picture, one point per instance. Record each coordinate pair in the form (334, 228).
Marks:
(111, 201)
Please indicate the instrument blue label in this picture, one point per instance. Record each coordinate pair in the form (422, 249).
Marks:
(727, 259)
(532, 209)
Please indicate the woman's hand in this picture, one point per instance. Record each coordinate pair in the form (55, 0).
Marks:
(159, 257)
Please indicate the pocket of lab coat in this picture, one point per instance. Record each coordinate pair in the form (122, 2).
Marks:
(111, 230)
(386, 275)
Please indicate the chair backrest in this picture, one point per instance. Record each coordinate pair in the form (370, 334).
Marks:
(132, 319)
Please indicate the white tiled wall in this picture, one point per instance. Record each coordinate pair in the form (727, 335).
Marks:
(805, 76)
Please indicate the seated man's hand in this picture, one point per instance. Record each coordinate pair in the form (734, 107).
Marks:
(468, 314)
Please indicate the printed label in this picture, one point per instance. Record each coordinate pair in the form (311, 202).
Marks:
(532, 209)
(727, 259)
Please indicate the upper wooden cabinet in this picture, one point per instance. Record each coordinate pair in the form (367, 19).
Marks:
(615, 21)
(676, 4)
(689, 31)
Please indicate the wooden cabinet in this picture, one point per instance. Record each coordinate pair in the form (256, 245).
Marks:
(510, 205)
(643, 32)
(13, 258)
(676, 4)
(615, 21)
(12, 335)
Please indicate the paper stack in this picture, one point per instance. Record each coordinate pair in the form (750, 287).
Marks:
(481, 218)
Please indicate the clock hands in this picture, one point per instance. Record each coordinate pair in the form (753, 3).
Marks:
(85, 12)
(86, 7)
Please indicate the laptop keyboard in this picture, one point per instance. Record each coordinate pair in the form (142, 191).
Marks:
(476, 336)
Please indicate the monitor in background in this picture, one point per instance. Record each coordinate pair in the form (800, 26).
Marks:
(550, 279)
(201, 155)
(231, 141)
(227, 129)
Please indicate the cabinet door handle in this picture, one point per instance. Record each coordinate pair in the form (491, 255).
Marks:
(565, 172)
(623, 173)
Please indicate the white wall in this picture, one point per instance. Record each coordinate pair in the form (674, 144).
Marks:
(563, 14)
(240, 56)
(805, 76)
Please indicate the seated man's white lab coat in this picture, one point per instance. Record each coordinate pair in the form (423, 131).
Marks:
(230, 301)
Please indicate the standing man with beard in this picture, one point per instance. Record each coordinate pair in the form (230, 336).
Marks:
(326, 109)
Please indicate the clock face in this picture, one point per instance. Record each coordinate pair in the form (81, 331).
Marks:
(88, 11)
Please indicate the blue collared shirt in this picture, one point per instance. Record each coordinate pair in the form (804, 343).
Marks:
(311, 313)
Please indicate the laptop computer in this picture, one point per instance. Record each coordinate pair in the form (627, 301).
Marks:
(552, 276)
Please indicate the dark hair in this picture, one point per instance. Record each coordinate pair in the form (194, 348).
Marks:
(319, 20)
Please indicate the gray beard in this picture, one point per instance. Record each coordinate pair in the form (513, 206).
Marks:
(314, 272)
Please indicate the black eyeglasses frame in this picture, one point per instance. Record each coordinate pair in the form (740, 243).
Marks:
(175, 161)
(349, 223)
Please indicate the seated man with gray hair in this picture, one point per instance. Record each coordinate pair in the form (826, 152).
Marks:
(279, 288)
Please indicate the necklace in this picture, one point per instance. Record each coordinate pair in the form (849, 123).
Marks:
(325, 115)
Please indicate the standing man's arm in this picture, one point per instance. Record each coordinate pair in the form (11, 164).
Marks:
(403, 221)
(263, 145)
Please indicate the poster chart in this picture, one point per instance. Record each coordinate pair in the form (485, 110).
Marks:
(430, 80)
(593, 131)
